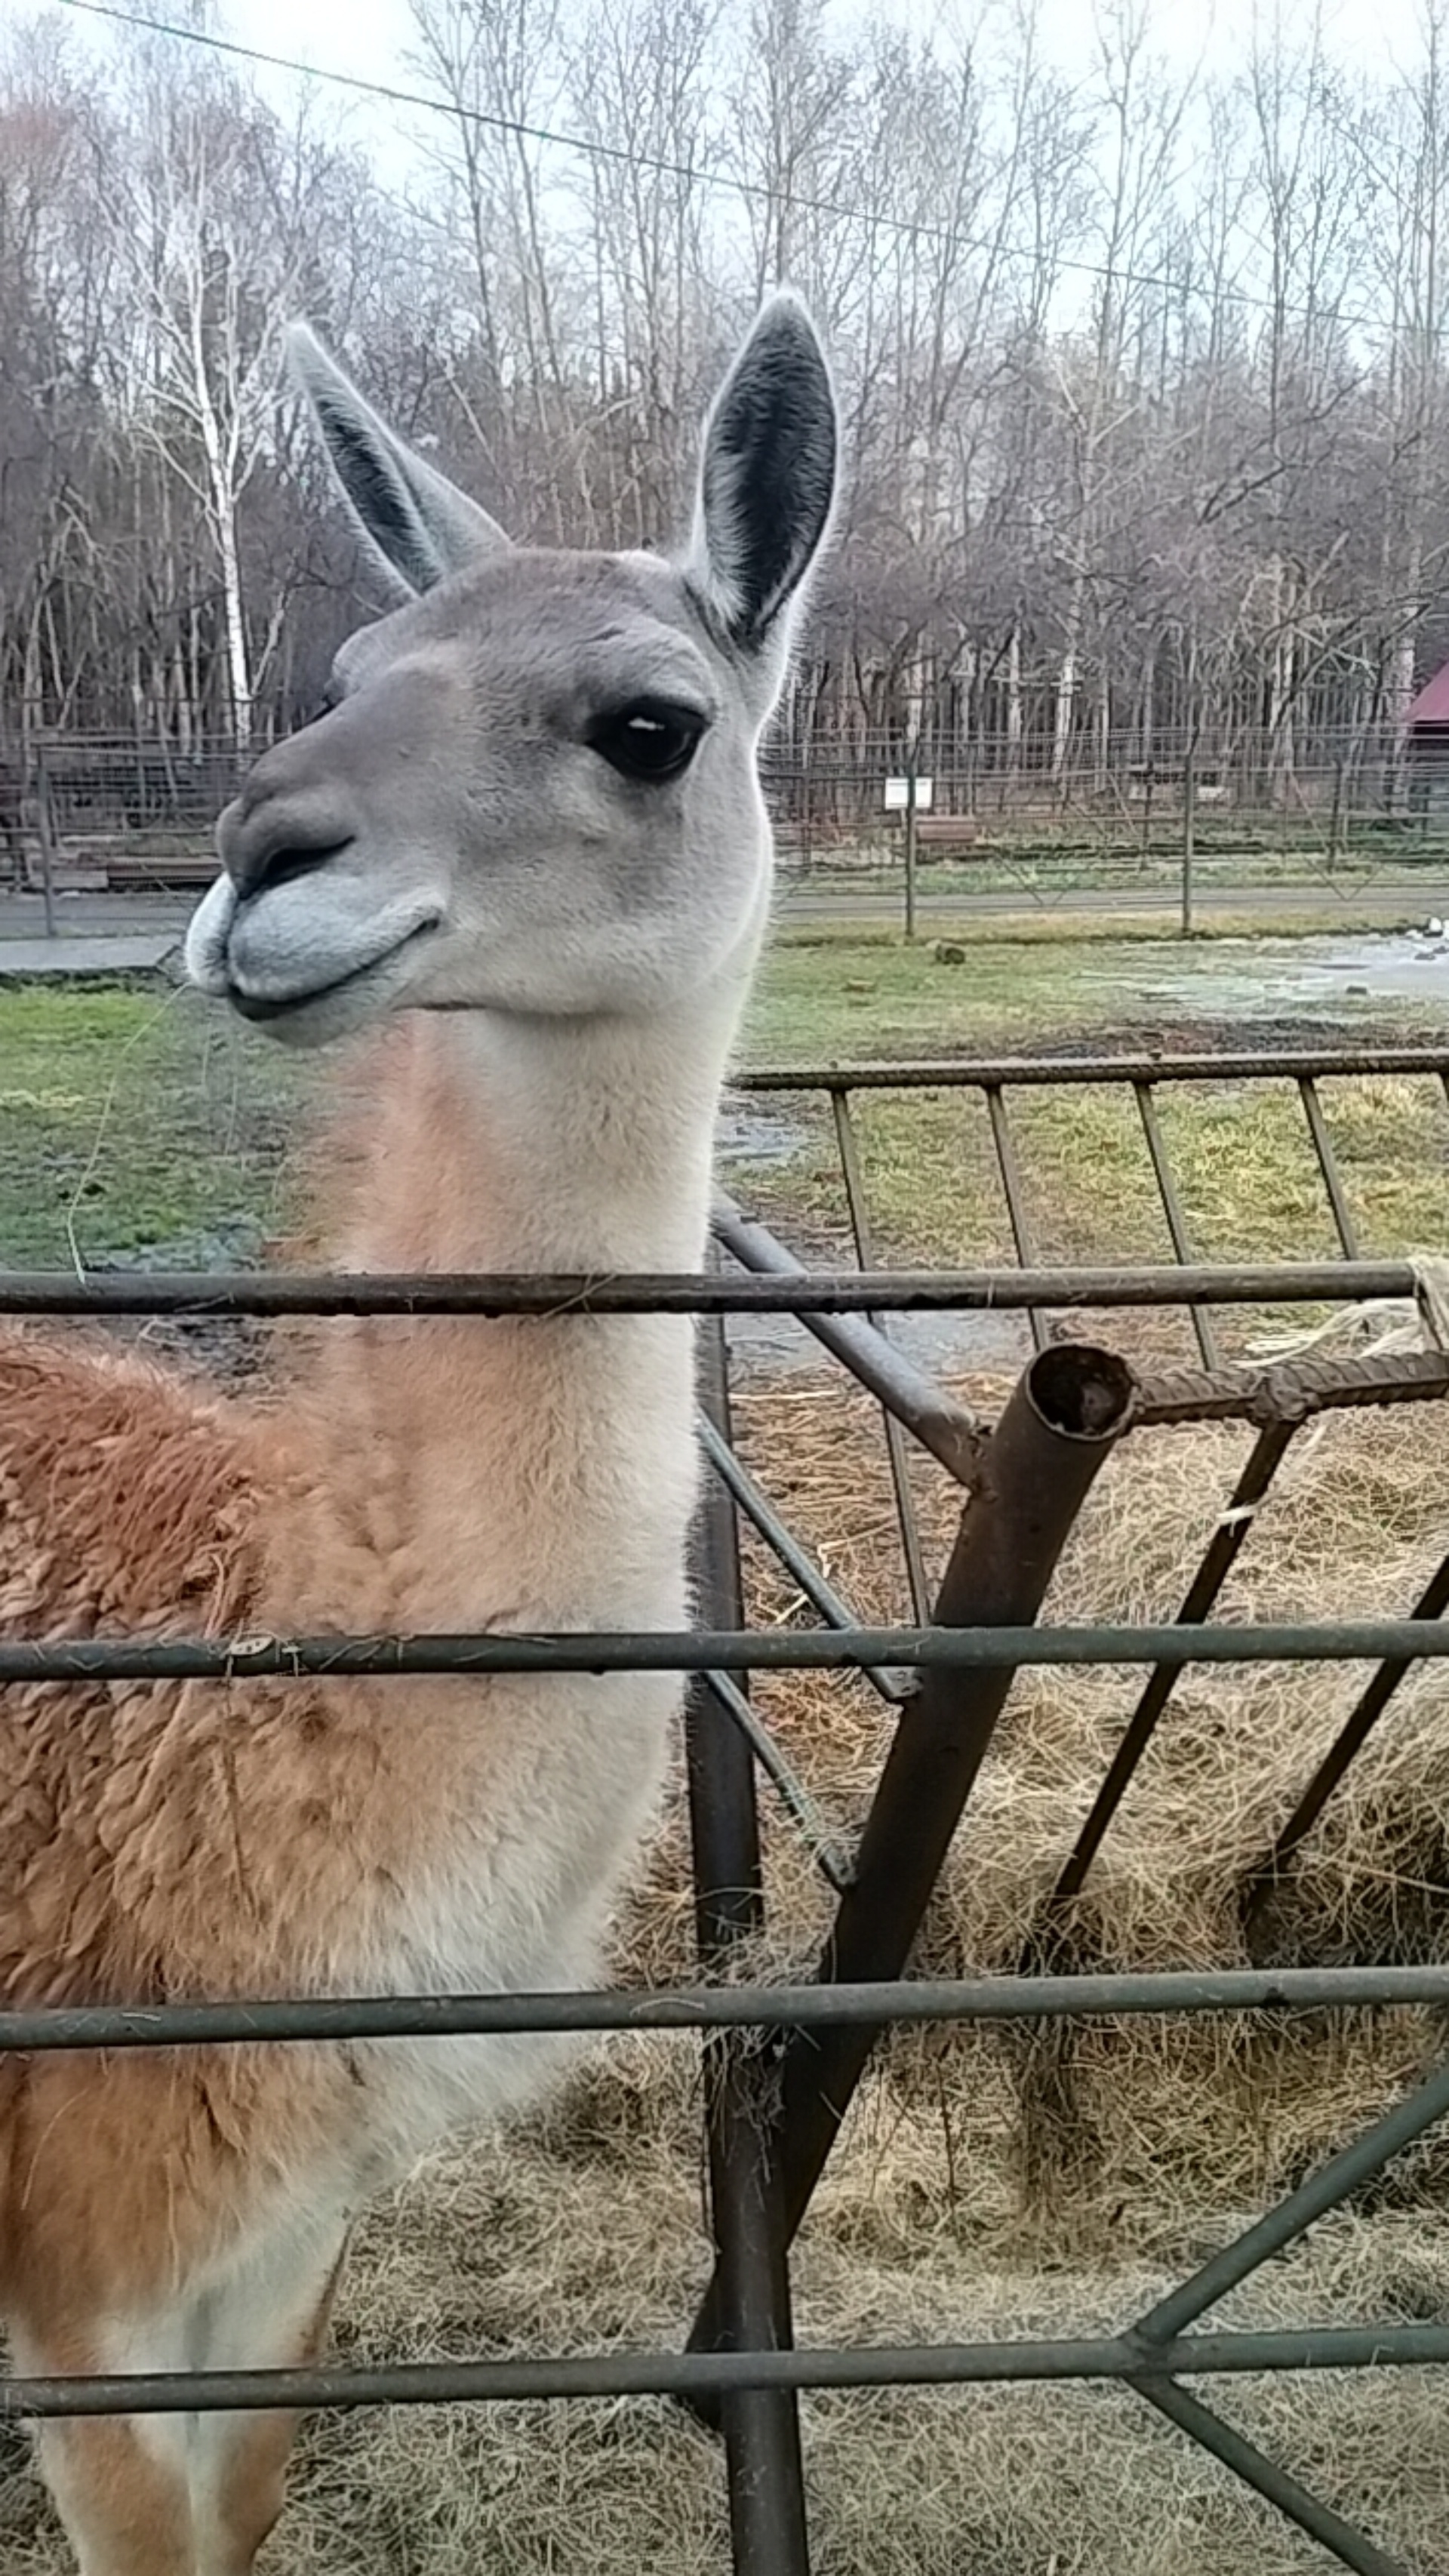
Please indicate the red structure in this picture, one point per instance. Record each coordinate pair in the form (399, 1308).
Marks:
(1428, 748)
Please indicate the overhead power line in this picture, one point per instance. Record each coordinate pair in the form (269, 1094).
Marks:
(593, 147)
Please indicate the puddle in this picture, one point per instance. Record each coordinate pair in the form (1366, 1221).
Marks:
(1293, 978)
(780, 1346)
(234, 1243)
(750, 1131)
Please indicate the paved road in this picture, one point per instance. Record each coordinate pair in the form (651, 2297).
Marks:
(98, 935)
(130, 932)
(26, 961)
(97, 916)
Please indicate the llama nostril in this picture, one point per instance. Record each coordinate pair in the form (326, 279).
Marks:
(255, 873)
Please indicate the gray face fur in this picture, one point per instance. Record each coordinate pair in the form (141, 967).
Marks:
(535, 791)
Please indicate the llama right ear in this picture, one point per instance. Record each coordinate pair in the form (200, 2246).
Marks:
(767, 478)
(417, 522)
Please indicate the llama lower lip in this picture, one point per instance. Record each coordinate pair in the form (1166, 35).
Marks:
(253, 1006)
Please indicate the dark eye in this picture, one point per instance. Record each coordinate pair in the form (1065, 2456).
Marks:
(647, 740)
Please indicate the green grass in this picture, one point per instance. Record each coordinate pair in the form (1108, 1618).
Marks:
(136, 1118)
(832, 993)
(832, 997)
(1247, 1179)
(1241, 1155)
(131, 1120)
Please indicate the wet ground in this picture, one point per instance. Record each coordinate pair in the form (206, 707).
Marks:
(1295, 980)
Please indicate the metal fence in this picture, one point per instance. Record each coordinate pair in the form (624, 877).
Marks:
(123, 810)
(775, 2104)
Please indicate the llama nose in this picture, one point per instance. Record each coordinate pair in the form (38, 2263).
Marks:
(262, 842)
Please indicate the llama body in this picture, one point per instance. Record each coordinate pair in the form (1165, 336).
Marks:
(546, 1101)
(384, 1836)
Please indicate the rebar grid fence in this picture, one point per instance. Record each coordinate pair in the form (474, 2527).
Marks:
(784, 2060)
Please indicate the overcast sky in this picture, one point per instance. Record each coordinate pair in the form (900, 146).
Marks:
(371, 38)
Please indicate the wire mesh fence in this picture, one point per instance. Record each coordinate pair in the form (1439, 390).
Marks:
(135, 811)
(784, 2060)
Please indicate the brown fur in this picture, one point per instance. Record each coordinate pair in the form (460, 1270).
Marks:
(129, 1504)
(164, 1841)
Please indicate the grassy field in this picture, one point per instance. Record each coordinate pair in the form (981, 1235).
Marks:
(136, 1119)
(129, 1119)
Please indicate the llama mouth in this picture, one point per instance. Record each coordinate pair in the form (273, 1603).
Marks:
(255, 1007)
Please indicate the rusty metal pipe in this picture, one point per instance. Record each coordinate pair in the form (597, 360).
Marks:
(957, 1073)
(783, 1288)
(952, 1435)
(1057, 1431)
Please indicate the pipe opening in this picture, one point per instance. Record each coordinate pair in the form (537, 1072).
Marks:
(1080, 1391)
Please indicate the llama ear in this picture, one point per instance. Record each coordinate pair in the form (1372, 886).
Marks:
(767, 477)
(419, 524)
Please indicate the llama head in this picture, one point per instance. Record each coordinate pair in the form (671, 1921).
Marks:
(533, 788)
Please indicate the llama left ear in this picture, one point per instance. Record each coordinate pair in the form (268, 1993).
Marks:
(767, 477)
(418, 526)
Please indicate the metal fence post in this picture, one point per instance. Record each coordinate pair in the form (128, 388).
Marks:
(1189, 837)
(761, 2426)
(45, 827)
(911, 837)
(1057, 1431)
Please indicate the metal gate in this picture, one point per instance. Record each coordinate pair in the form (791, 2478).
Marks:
(774, 2105)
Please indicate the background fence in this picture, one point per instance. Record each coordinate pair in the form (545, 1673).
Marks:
(136, 811)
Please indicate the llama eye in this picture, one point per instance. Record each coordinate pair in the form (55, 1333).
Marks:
(648, 741)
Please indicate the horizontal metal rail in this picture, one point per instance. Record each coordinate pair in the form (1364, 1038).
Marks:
(654, 1650)
(954, 1073)
(685, 2374)
(671, 1292)
(836, 1307)
(1167, 1993)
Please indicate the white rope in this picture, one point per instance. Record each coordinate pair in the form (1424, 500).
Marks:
(1379, 1326)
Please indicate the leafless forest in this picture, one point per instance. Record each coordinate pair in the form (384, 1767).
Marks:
(1144, 375)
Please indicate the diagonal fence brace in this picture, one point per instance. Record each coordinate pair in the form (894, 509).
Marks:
(1356, 2163)
(1224, 2442)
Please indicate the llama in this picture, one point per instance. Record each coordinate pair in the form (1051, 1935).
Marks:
(527, 831)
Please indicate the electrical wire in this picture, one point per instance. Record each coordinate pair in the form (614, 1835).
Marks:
(595, 148)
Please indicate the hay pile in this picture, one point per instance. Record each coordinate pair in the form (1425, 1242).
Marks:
(1165, 2116)
(981, 2188)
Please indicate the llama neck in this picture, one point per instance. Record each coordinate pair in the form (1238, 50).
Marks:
(540, 1470)
(536, 1145)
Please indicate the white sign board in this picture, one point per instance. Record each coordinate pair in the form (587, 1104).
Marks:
(898, 795)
